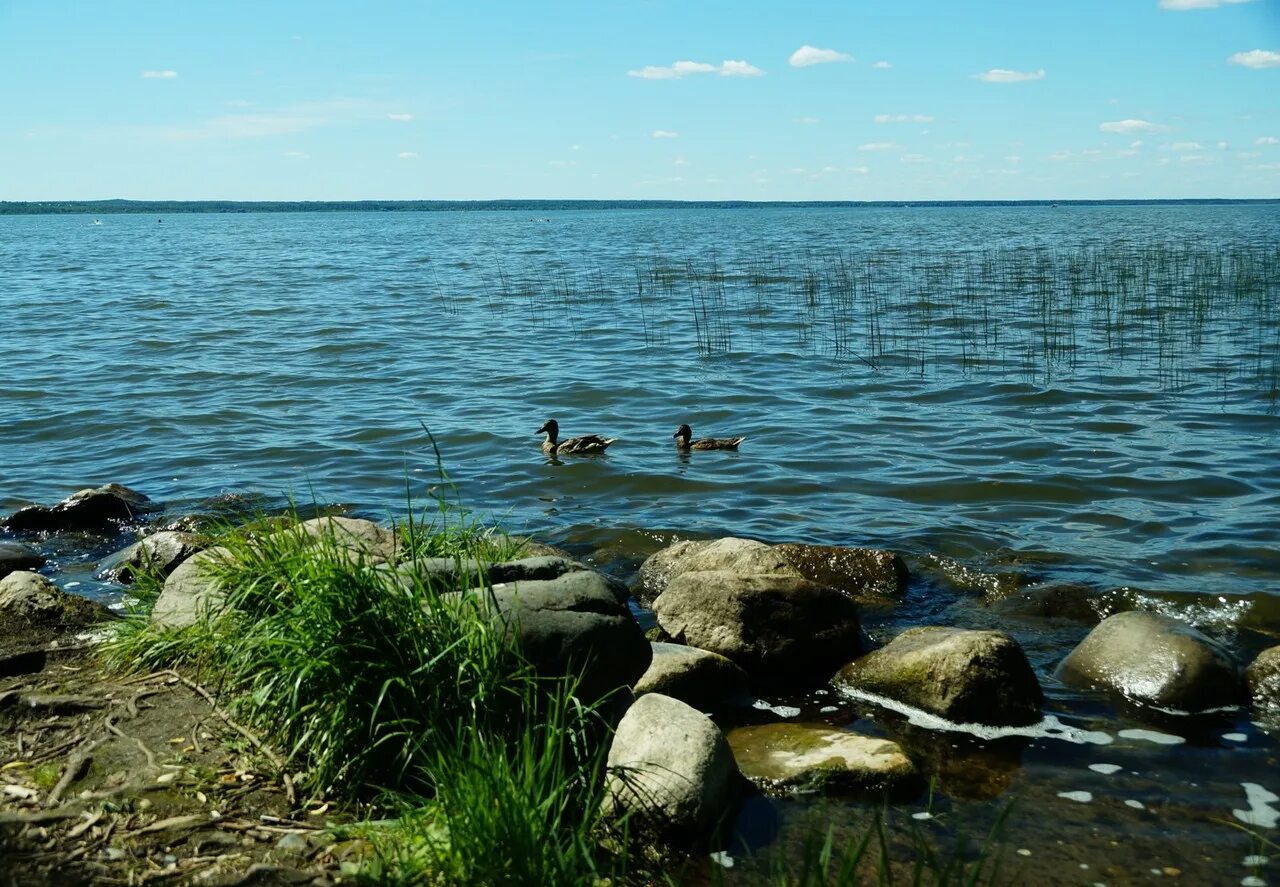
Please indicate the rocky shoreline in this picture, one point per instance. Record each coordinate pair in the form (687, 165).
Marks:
(728, 621)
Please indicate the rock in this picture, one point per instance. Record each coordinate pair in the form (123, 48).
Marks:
(28, 600)
(697, 677)
(533, 548)
(959, 577)
(670, 767)
(160, 553)
(868, 575)
(1151, 659)
(92, 509)
(1263, 676)
(573, 624)
(743, 556)
(976, 677)
(809, 757)
(1072, 601)
(654, 574)
(16, 556)
(446, 573)
(190, 592)
(777, 627)
(356, 538)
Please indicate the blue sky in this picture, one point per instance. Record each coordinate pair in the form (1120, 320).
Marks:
(902, 100)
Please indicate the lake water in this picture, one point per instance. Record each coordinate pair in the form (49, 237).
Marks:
(1074, 393)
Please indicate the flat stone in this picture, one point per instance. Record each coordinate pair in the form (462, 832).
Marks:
(817, 757)
(191, 592)
(697, 677)
(357, 538)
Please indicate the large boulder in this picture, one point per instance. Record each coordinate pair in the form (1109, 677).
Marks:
(31, 603)
(93, 509)
(447, 573)
(572, 625)
(671, 769)
(159, 553)
(817, 757)
(698, 677)
(656, 571)
(965, 676)
(868, 575)
(354, 538)
(16, 556)
(778, 627)
(1152, 659)
(191, 592)
(745, 556)
(1264, 680)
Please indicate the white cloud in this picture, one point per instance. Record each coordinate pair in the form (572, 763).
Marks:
(1136, 144)
(563, 164)
(281, 121)
(1256, 58)
(805, 121)
(665, 134)
(407, 155)
(877, 146)
(1267, 140)
(678, 70)
(881, 65)
(811, 55)
(400, 117)
(1198, 4)
(903, 118)
(680, 161)
(1013, 158)
(860, 170)
(1003, 75)
(1187, 146)
(160, 75)
(914, 158)
(1130, 126)
(1267, 167)
(1222, 146)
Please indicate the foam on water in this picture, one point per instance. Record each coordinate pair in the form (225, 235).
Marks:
(1235, 737)
(782, 711)
(1105, 769)
(1260, 811)
(1077, 796)
(1136, 805)
(1153, 736)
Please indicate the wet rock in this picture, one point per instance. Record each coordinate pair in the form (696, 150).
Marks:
(30, 601)
(1264, 680)
(670, 768)
(867, 575)
(818, 757)
(93, 509)
(965, 676)
(730, 554)
(778, 627)
(528, 547)
(1071, 601)
(960, 577)
(16, 556)
(573, 623)
(697, 677)
(654, 574)
(159, 553)
(448, 572)
(1152, 659)
(191, 592)
(357, 539)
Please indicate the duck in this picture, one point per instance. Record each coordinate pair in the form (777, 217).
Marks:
(586, 445)
(683, 441)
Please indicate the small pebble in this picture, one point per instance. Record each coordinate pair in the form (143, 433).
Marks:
(1136, 805)
(1023, 851)
(1255, 859)
(1252, 881)
(292, 843)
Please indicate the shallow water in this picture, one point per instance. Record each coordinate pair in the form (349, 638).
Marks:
(1071, 393)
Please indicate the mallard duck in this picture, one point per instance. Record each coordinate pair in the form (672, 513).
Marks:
(585, 445)
(683, 441)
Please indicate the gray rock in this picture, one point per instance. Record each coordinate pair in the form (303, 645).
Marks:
(160, 553)
(697, 677)
(731, 554)
(446, 573)
(573, 624)
(956, 576)
(670, 767)
(1151, 659)
(16, 556)
(28, 600)
(778, 627)
(977, 677)
(1263, 676)
(93, 509)
(358, 539)
(191, 592)
(654, 574)
(868, 575)
(818, 757)
(1070, 601)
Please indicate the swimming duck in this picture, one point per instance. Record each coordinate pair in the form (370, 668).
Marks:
(683, 442)
(587, 444)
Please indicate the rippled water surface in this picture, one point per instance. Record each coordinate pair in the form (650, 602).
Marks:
(941, 379)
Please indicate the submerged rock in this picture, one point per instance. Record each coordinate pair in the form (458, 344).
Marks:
(92, 509)
(159, 553)
(1071, 601)
(30, 601)
(818, 757)
(778, 627)
(868, 575)
(572, 623)
(670, 767)
(965, 676)
(960, 577)
(1152, 659)
(1264, 680)
(16, 556)
(698, 677)
(191, 592)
